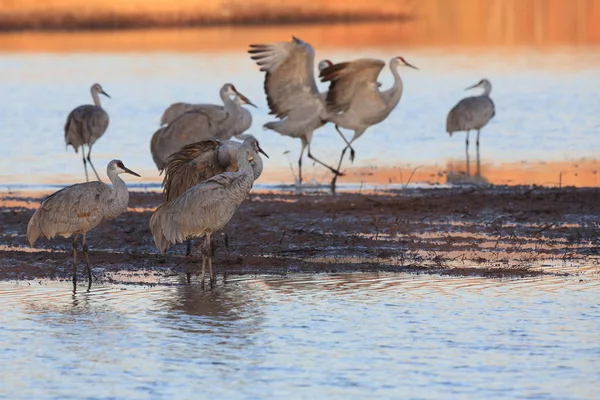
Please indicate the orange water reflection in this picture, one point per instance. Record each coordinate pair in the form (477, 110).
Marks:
(446, 23)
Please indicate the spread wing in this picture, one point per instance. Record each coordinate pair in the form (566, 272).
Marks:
(349, 78)
(192, 164)
(289, 80)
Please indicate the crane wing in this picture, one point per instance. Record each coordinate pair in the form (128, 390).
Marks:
(289, 80)
(347, 78)
(192, 164)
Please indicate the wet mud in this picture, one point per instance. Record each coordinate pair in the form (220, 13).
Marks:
(490, 231)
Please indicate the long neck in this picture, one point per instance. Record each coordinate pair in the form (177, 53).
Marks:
(96, 98)
(230, 105)
(119, 196)
(395, 92)
(487, 89)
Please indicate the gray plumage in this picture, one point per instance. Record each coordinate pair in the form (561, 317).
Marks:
(202, 122)
(291, 90)
(354, 100)
(244, 116)
(197, 162)
(86, 124)
(76, 209)
(204, 208)
(472, 113)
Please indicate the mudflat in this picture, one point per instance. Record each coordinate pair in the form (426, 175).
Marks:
(496, 231)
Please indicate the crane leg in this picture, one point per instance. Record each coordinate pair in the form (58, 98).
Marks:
(335, 171)
(87, 261)
(478, 162)
(84, 164)
(90, 161)
(300, 160)
(337, 128)
(209, 255)
(74, 262)
(467, 152)
(334, 180)
(188, 253)
(203, 268)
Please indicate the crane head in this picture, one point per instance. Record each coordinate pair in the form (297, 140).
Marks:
(118, 167)
(324, 64)
(96, 88)
(401, 61)
(484, 84)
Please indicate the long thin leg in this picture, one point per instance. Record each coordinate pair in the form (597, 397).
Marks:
(335, 171)
(90, 161)
(203, 268)
(467, 152)
(300, 160)
(478, 162)
(337, 128)
(334, 180)
(87, 261)
(209, 255)
(84, 164)
(188, 253)
(74, 262)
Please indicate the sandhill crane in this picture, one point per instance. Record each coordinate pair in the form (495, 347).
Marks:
(472, 113)
(354, 100)
(291, 91)
(86, 124)
(176, 109)
(204, 209)
(76, 209)
(201, 123)
(197, 162)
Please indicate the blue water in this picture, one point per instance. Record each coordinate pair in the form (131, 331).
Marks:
(350, 336)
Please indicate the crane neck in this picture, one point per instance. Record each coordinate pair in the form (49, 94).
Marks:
(119, 195)
(487, 89)
(230, 105)
(395, 92)
(96, 98)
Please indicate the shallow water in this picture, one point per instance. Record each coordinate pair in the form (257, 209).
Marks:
(544, 132)
(336, 336)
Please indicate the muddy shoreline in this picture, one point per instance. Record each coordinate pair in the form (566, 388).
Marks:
(491, 232)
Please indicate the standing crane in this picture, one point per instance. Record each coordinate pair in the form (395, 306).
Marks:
(472, 113)
(197, 162)
(204, 209)
(176, 109)
(86, 124)
(354, 100)
(76, 209)
(292, 93)
(201, 123)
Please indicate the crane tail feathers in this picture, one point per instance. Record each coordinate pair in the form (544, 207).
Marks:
(156, 224)
(33, 228)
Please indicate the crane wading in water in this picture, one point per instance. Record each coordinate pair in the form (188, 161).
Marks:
(197, 162)
(86, 124)
(200, 123)
(472, 113)
(354, 100)
(204, 209)
(292, 92)
(76, 209)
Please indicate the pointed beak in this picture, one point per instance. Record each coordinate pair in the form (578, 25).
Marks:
(262, 152)
(106, 94)
(410, 65)
(472, 87)
(246, 100)
(131, 172)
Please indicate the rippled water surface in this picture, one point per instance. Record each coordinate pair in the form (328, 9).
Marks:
(336, 336)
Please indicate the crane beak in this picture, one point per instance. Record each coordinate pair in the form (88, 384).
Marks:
(473, 86)
(246, 100)
(262, 152)
(106, 94)
(410, 65)
(131, 172)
